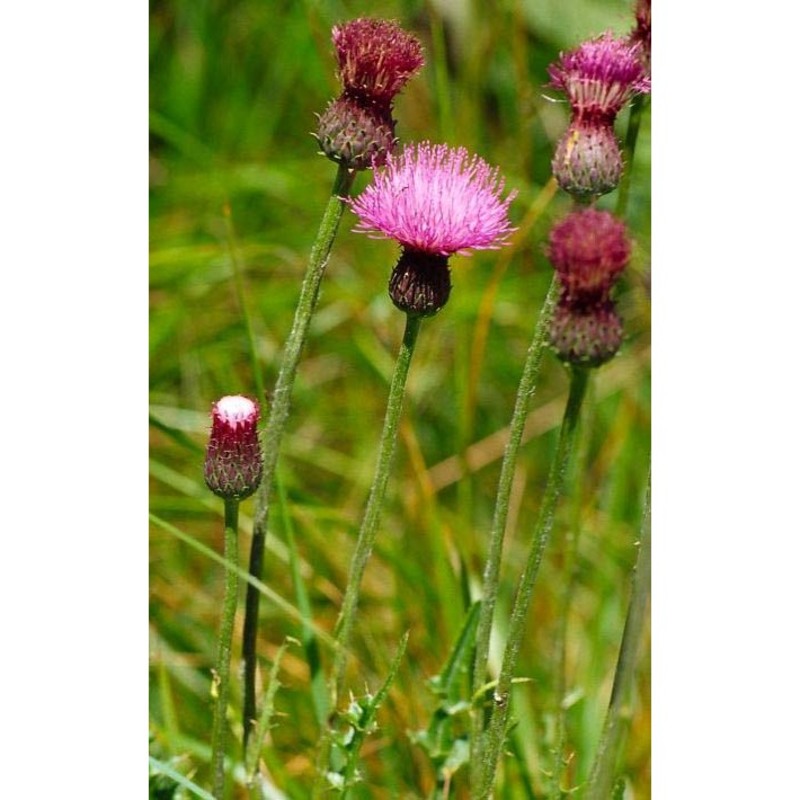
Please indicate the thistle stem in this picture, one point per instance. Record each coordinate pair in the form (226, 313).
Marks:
(222, 676)
(491, 573)
(496, 732)
(369, 523)
(632, 134)
(602, 774)
(276, 425)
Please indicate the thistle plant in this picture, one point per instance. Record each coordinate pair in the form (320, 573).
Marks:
(599, 78)
(435, 201)
(588, 249)
(233, 470)
(376, 59)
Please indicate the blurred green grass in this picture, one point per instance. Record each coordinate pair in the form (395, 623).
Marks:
(234, 90)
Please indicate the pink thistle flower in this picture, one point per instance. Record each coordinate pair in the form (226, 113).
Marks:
(435, 201)
(233, 463)
(376, 57)
(589, 249)
(600, 76)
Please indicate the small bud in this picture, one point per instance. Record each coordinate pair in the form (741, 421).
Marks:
(420, 283)
(356, 134)
(587, 161)
(233, 463)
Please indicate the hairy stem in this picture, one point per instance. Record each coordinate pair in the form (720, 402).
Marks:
(369, 523)
(491, 573)
(276, 425)
(496, 732)
(223, 670)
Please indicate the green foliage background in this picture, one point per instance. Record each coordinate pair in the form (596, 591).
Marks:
(234, 90)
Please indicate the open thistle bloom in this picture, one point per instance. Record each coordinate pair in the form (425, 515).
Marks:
(233, 463)
(589, 249)
(599, 78)
(435, 201)
(376, 59)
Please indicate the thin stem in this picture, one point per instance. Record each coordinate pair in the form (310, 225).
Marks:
(366, 538)
(495, 735)
(634, 121)
(276, 425)
(369, 523)
(491, 573)
(223, 671)
(602, 775)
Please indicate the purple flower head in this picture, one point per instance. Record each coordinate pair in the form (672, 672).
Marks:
(437, 200)
(376, 58)
(600, 76)
(589, 249)
(233, 463)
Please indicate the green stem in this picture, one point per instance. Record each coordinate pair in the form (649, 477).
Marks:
(276, 425)
(222, 677)
(496, 732)
(634, 121)
(369, 523)
(602, 774)
(491, 573)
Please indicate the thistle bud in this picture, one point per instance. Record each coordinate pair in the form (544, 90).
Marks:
(598, 78)
(376, 59)
(233, 463)
(587, 161)
(589, 249)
